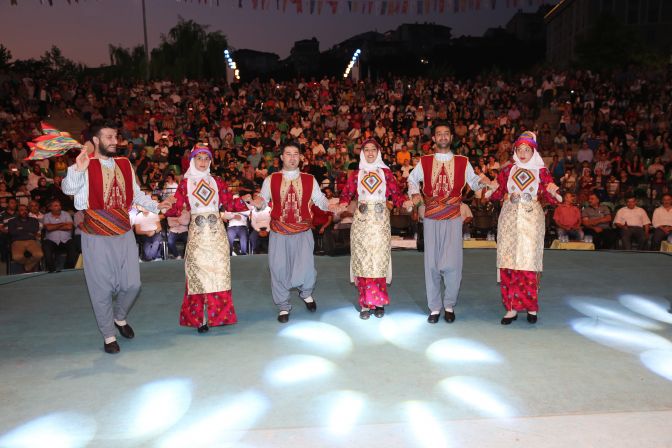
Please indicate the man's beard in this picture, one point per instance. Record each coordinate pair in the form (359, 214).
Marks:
(106, 152)
(443, 145)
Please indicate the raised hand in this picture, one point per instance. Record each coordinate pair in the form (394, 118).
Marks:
(82, 160)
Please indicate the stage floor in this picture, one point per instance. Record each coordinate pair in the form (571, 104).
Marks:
(596, 370)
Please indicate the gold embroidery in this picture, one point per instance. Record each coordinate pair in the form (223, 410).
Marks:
(114, 187)
(520, 236)
(449, 168)
(370, 241)
(207, 261)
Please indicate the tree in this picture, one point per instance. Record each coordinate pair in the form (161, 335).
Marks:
(5, 56)
(611, 44)
(54, 61)
(129, 63)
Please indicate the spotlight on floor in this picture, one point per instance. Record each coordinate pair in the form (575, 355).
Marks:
(653, 308)
(319, 336)
(158, 406)
(659, 362)
(297, 369)
(426, 428)
(626, 339)
(458, 350)
(478, 394)
(400, 329)
(227, 423)
(365, 332)
(344, 409)
(58, 430)
(610, 311)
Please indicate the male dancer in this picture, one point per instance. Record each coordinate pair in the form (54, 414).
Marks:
(444, 176)
(291, 243)
(104, 187)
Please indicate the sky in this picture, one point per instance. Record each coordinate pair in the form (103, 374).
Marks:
(83, 31)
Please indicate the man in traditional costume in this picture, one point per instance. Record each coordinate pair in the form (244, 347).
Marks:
(443, 175)
(291, 243)
(521, 228)
(370, 263)
(104, 187)
(207, 262)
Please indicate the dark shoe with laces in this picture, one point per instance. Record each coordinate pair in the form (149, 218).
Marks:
(125, 330)
(112, 348)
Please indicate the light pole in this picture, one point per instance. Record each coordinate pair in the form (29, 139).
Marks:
(144, 28)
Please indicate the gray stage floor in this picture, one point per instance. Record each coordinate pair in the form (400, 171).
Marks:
(595, 371)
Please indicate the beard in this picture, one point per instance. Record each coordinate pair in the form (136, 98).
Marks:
(105, 150)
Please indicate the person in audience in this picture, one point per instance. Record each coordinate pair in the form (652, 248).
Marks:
(24, 238)
(148, 228)
(178, 232)
(207, 298)
(596, 220)
(260, 221)
(662, 222)
(634, 224)
(567, 217)
(372, 186)
(58, 227)
(521, 228)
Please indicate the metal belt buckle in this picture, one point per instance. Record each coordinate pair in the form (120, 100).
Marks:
(363, 208)
(212, 220)
(379, 208)
(200, 220)
(515, 198)
(527, 197)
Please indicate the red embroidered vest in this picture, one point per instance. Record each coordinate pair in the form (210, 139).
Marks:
(108, 216)
(442, 201)
(288, 216)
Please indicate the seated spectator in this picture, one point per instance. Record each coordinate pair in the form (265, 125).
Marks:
(178, 232)
(34, 212)
(567, 217)
(633, 223)
(322, 227)
(596, 219)
(24, 237)
(58, 236)
(662, 222)
(237, 228)
(261, 223)
(147, 227)
(169, 186)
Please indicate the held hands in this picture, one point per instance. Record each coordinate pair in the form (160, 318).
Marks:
(82, 160)
(258, 203)
(166, 204)
(416, 199)
(390, 205)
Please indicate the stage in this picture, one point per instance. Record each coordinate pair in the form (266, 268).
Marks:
(596, 370)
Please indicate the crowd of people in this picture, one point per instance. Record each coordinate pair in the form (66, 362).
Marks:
(604, 139)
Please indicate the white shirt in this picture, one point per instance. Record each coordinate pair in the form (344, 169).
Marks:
(635, 217)
(147, 222)
(417, 175)
(179, 224)
(261, 218)
(662, 217)
(465, 211)
(58, 236)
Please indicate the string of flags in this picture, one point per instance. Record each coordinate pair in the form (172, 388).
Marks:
(371, 7)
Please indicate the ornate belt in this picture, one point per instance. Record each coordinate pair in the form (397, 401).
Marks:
(517, 197)
(210, 219)
(377, 208)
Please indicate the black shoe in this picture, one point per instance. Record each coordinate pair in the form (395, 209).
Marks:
(508, 320)
(312, 306)
(112, 348)
(532, 318)
(203, 328)
(449, 316)
(364, 314)
(283, 318)
(433, 318)
(125, 330)
(379, 312)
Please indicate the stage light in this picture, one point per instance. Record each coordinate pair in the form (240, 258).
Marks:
(400, 329)
(621, 338)
(158, 406)
(457, 350)
(365, 332)
(610, 311)
(344, 408)
(425, 426)
(477, 394)
(659, 362)
(653, 308)
(297, 369)
(58, 430)
(226, 424)
(319, 336)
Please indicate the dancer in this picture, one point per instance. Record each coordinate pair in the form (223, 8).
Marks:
(291, 243)
(521, 228)
(104, 187)
(207, 297)
(444, 175)
(370, 263)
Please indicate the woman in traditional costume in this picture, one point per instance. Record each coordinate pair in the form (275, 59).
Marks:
(207, 297)
(521, 228)
(370, 263)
